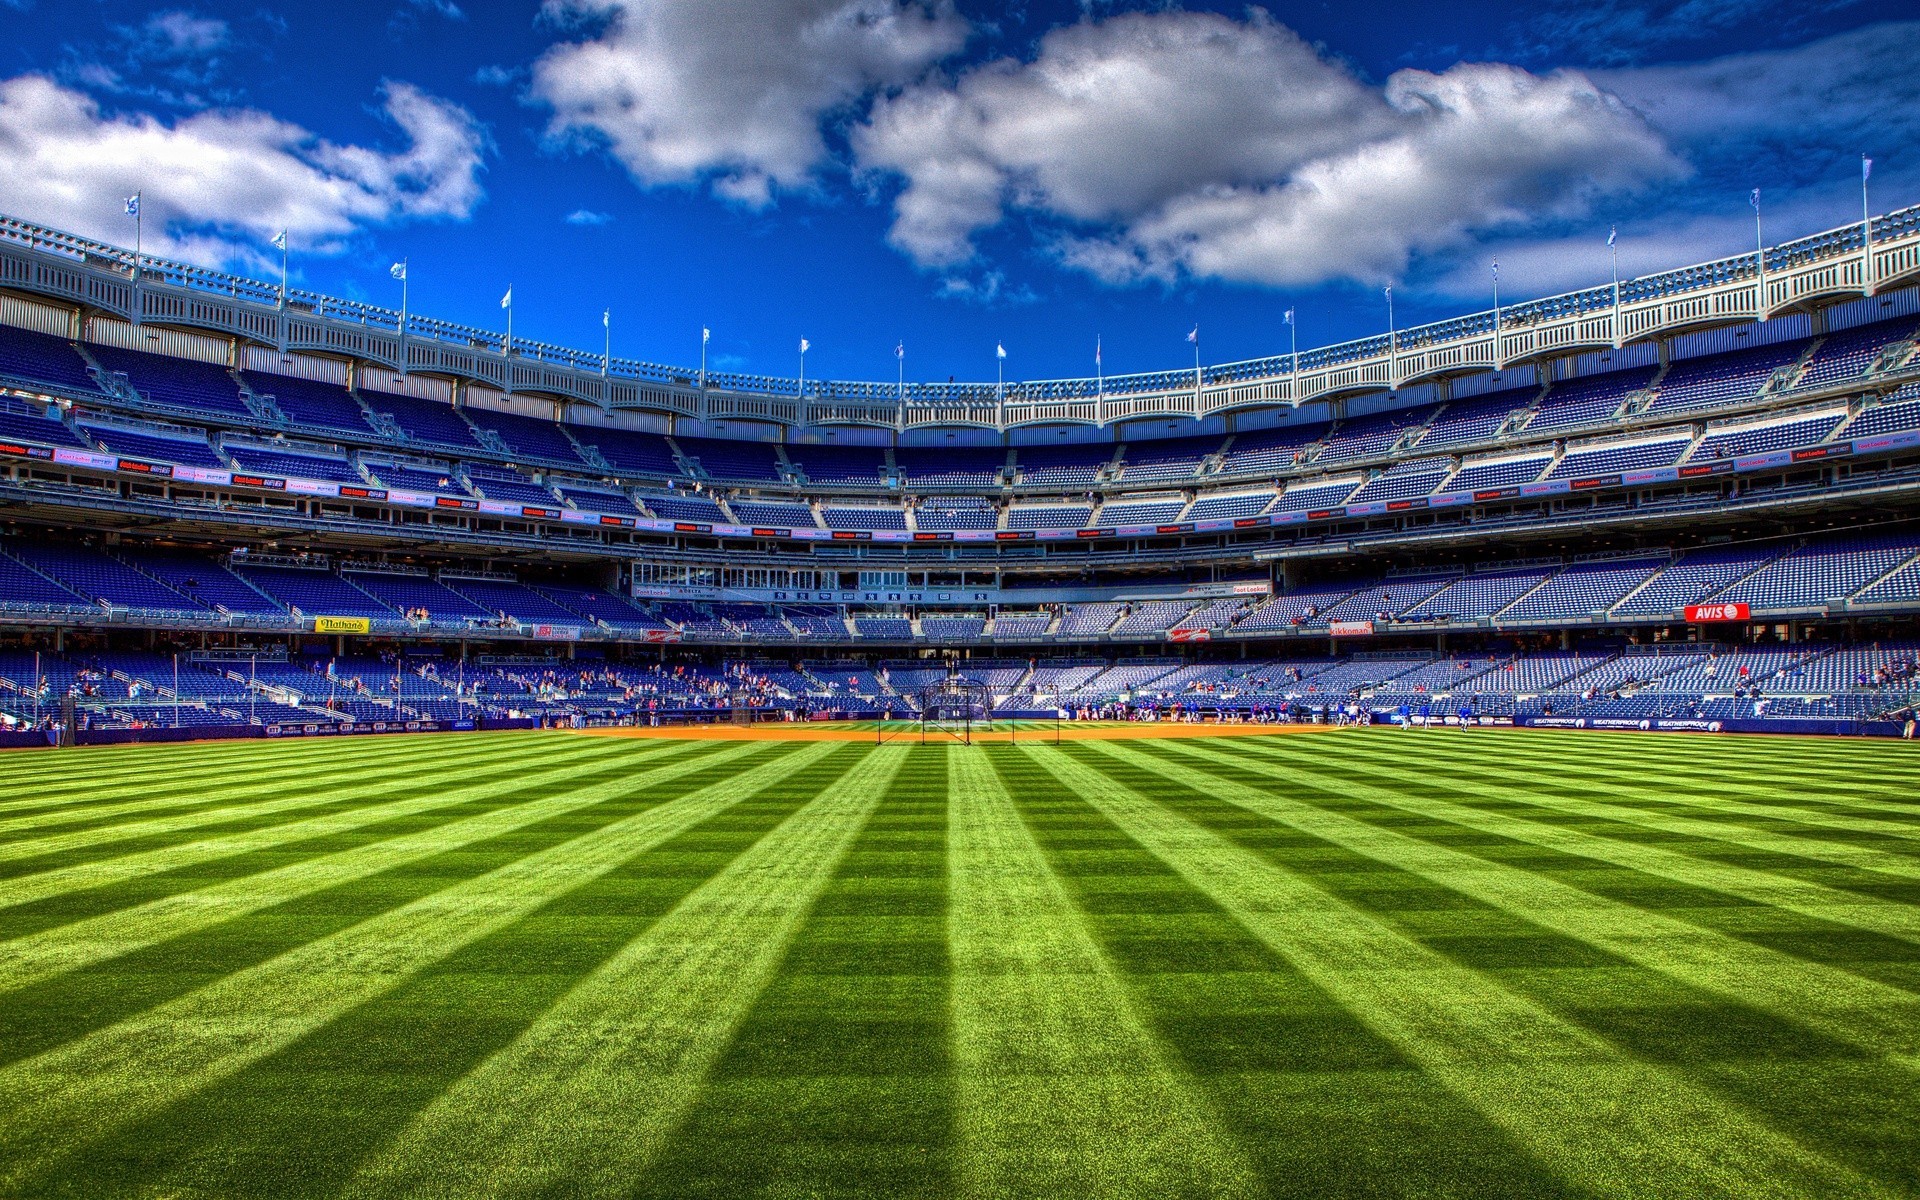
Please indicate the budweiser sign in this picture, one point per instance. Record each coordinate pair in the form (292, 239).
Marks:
(1718, 612)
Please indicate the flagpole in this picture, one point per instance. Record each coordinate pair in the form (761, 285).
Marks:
(705, 334)
(284, 242)
(1866, 228)
(1393, 334)
(1196, 370)
(1099, 372)
(803, 370)
(1499, 362)
(1759, 260)
(1613, 252)
(606, 355)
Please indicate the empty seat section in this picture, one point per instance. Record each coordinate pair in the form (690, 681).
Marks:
(1723, 378)
(509, 487)
(1588, 401)
(864, 518)
(1732, 442)
(950, 466)
(630, 452)
(1371, 436)
(99, 576)
(188, 449)
(176, 382)
(1583, 590)
(29, 423)
(838, 464)
(428, 422)
(1847, 355)
(1263, 451)
(311, 402)
(313, 592)
(1215, 508)
(1506, 472)
(1475, 596)
(722, 459)
(498, 597)
(1171, 459)
(409, 592)
(1141, 512)
(1311, 494)
(1696, 576)
(1476, 419)
(202, 579)
(1068, 465)
(1819, 573)
(1606, 458)
(298, 466)
(955, 512)
(769, 512)
(1048, 516)
(21, 585)
(32, 358)
(684, 508)
(527, 437)
(1403, 481)
(599, 501)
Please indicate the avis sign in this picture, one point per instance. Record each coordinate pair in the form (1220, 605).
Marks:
(1718, 612)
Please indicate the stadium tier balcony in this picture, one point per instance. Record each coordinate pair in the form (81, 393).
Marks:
(1305, 495)
(1584, 590)
(1901, 412)
(178, 383)
(1486, 474)
(1607, 458)
(293, 465)
(420, 477)
(721, 459)
(506, 486)
(1372, 436)
(1171, 460)
(1267, 451)
(956, 512)
(1089, 620)
(1066, 466)
(603, 606)
(101, 577)
(424, 422)
(202, 579)
(1846, 356)
(823, 464)
(23, 587)
(1390, 597)
(1216, 508)
(408, 593)
(1476, 597)
(1589, 400)
(501, 598)
(1055, 677)
(816, 623)
(1475, 419)
(1900, 587)
(1151, 618)
(183, 447)
(864, 517)
(767, 512)
(31, 358)
(1049, 516)
(684, 508)
(527, 437)
(1819, 573)
(629, 452)
(1732, 441)
(1699, 574)
(1124, 677)
(951, 466)
(1014, 626)
(1721, 379)
(1143, 512)
(1403, 481)
(596, 500)
(29, 423)
(310, 402)
(1302, 607)
(895, 629)
(316, 592)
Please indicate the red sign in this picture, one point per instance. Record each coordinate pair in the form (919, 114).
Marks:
(1350, 628)
(1718, 612)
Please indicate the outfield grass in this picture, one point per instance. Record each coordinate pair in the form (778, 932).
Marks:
(1364, 963)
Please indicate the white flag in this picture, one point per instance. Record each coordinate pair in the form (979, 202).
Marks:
(606, 318)
(1000, 349)
(706, 335)
(1613, 234)
(1096, 351)
(805, 345)
(280, 240)
(398, 271)
(1289, 316)
(506, 301)
(1496, 270)
(1755, 199)
(1389, 290)
(133, 205)
(899, 349)
(1194, 336)
(1866, 168)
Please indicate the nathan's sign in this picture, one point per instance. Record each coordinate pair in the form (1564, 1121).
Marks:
(342, 625)
(1718, 612)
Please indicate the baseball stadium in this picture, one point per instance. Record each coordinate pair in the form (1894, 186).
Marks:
(1474, 758)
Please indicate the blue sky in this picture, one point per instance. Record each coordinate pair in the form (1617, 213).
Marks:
(952, 176)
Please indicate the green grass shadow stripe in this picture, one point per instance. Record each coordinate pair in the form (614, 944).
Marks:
(1063, 1090)
(1572, 1099)
(585, 1098)
(52, 1104)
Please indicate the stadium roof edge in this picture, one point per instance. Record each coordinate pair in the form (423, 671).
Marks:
(1805, 275)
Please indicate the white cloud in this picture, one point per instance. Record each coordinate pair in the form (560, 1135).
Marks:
(730, 90)
(217, 185)
(1195, 145)
(586, 216)
(174, 34)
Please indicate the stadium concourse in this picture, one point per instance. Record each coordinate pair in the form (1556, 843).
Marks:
(222, 514)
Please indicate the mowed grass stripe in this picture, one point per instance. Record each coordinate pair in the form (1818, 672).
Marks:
(305, 1119)
(1321, 1104)
(159, 1057)
(107, 791)
(538, 790)
(838, 1081)
(263, 797)
(584, 1099)
(426, 795)
(1575, 1102)
(1873, 1016)
(1757, 883)
(1652, 801)
(1062, 1089)
(1781, 1069)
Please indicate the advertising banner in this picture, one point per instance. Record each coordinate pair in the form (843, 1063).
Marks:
(1350, 628)
(342, 625)
(1718, 612)
(1189, 635)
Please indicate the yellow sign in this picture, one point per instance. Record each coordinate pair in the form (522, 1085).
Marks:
(342, 625)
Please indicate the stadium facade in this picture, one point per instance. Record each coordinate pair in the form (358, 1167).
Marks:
(1687, 498)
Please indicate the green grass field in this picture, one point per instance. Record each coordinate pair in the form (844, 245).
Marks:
(1362, 963)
